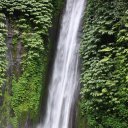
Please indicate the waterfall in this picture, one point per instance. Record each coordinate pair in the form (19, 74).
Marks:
(64, 83)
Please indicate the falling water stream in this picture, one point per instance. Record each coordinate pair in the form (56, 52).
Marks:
(64, 82)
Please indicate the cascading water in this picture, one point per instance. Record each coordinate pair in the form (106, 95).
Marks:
(65, 77)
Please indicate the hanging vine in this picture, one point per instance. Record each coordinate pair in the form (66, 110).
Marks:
(104, 52)
(29, 23)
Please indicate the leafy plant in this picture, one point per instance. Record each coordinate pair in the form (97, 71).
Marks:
(104, 93)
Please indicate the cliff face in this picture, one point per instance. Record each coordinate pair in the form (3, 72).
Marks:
(104, 56)
(25, 44)
(25, 56)
(23, 59)
(24, 53)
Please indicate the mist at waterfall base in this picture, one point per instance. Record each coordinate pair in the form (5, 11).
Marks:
(64, 84)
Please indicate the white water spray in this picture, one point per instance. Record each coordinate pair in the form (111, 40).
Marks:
(65, 77)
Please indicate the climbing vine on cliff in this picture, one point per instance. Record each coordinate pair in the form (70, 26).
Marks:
(27, 88)
(3, 49)
(27, 24)
(104, 52)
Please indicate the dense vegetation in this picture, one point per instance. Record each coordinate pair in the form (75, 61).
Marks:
(104, 52)
(24, 47)
(24, 54)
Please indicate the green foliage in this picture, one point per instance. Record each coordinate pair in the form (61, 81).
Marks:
(104, 52)
(37, 12)
(4, 110)
(58, 5)
(3, 49)
(27, 88)
(26, 93)
(29, 23)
